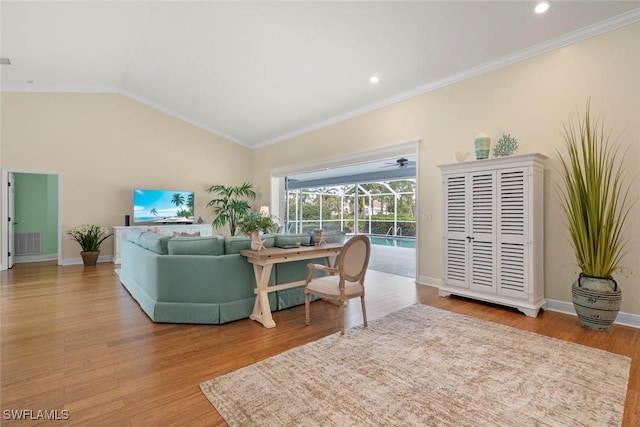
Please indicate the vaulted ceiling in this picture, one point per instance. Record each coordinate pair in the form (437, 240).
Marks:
(258, 72)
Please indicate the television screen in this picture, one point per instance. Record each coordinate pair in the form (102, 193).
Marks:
(162, 206)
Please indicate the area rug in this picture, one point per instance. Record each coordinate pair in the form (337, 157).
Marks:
(423, 366)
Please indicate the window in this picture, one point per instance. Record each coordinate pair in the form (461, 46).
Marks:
(377, 208)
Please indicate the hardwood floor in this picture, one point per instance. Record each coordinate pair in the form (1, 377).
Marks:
(72, 338)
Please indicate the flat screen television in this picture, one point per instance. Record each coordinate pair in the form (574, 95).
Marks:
(162, 206)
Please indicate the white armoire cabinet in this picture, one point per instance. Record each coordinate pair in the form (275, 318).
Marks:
(493, 237)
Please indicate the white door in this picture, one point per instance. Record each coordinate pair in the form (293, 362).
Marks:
(12, 226)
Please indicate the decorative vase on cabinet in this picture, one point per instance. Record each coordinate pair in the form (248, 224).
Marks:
(493, 231)
(482, 144)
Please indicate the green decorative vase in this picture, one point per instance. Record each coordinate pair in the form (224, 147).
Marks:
(482, 144)
(596, 301)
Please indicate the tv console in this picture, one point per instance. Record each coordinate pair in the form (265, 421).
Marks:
(119, 233)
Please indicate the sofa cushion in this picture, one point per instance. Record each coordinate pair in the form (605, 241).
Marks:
(292, 239)
(133, 234)
(154, 242)
(334, 236)
(185, 234)
(235, 244)
(199, 245)
(269, 240)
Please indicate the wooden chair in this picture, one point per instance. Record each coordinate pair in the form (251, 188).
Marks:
(346, 280)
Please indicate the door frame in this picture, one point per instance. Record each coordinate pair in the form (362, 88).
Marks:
(277, 175)
(5, 212)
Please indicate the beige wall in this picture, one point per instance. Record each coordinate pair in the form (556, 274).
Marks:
(530, 100)
(107, 144)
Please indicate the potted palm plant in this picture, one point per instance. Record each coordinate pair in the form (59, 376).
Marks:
(594, 198)
(253, 223)
(230, 204)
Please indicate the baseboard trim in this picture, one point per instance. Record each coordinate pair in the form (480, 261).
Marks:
(35, 258)
(429, 281)
(626, 319)
(78, 261)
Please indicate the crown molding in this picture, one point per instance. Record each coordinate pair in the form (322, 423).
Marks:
(26, 88)
(182, 117)
(593, 30)
(140, 99)
(607, 25)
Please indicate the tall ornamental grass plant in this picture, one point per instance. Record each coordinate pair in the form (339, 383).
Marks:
(594, 196)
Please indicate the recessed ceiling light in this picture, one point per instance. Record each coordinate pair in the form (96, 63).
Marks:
(5, 61)
(374, 79)
(541, 7)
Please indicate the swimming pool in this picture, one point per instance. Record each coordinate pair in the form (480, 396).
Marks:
(400, 242)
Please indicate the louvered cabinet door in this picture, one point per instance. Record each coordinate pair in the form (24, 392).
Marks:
(455, 230)
(512, 240)
(482, 231)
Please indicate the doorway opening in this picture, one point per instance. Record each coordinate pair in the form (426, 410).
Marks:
(374, 194)
(31, 219)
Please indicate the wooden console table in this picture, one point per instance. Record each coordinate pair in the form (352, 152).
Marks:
(263, 262)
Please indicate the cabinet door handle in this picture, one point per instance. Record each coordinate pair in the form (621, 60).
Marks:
(469, 238)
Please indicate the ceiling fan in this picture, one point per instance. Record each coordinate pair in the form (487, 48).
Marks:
(402, 162)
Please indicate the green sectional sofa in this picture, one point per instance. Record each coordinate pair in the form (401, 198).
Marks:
(204, 280)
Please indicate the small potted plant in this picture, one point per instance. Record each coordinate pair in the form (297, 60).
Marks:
(90, 237)
(252, 224)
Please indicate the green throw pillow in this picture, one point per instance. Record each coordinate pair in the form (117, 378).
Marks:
(204, 245)
(292, 239)
(155, 242)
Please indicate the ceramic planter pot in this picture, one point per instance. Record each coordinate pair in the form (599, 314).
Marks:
(90, 258)
(596, 301)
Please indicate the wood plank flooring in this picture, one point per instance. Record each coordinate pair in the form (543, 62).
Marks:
(73, 338)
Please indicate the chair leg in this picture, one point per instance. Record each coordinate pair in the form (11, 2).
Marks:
(306, 309)
(364, 310)
(341, 319)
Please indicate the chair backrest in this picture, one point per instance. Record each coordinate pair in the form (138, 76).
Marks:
(354, 258)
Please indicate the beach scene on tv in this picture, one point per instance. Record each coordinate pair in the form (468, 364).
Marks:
(162, 206)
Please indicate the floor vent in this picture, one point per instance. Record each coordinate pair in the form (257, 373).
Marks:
(28, 243)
